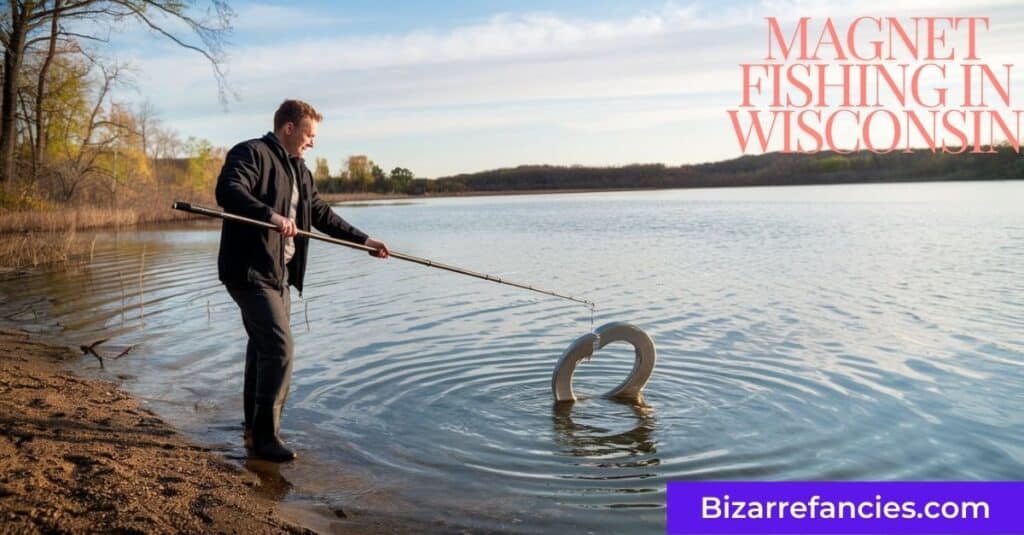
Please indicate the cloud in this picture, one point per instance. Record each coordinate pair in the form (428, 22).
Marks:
(503, 37)
(532, 56)
(649, 70)
(645, 46)
(272, 18)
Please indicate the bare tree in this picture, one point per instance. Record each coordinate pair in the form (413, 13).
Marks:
(39, 146)
(94, 136)
(147, 119)
(166, 144)
(25, 24)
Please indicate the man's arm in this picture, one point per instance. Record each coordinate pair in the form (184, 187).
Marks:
(330, 223)
(238, 179)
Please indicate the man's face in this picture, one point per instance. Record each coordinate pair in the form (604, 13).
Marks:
(297, 139)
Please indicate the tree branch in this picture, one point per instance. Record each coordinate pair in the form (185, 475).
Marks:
(63, 36)
(67, 9)
(209, 35)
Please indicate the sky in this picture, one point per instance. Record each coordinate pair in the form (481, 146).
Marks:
(447, 87)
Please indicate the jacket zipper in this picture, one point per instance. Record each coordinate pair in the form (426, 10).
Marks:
(287, 209)
(300, 205)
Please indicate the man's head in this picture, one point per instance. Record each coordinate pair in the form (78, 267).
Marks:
(295, 125)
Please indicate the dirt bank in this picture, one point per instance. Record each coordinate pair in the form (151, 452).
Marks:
(80, 455)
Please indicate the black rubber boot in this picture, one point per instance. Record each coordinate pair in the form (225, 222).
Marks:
(265, 442)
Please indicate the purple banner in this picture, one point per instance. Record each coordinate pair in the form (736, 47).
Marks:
(845, 507)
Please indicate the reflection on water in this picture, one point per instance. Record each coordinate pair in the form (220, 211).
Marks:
(594, 442)
(855, 332)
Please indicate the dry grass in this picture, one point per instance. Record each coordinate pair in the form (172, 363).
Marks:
(32, 249)
(46, 233)
(62, 220)
(30, 238)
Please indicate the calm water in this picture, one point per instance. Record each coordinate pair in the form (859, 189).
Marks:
(844, 332)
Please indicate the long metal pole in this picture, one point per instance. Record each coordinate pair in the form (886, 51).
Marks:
(211, 212)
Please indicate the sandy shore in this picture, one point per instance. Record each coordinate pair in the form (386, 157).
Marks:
(79, 455)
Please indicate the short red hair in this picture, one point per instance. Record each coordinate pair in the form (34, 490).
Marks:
(292, 111)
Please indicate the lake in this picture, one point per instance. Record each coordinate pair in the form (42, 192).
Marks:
(861, 332)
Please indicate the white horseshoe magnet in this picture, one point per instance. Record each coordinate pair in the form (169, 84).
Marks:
(582, 347)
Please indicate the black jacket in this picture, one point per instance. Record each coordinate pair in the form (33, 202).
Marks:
(256, 183)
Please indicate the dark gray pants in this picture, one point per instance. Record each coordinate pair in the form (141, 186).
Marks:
(268, 355)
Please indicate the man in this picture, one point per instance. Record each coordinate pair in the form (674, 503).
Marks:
(266, 179)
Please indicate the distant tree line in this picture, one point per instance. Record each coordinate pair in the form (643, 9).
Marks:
(758, 170)
(361, 175)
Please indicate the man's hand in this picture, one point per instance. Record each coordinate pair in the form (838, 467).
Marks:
(381, 248)
(284, 225)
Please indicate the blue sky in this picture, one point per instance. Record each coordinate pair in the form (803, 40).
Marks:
(460, 86)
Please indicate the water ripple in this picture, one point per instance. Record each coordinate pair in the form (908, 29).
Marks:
(825, 340)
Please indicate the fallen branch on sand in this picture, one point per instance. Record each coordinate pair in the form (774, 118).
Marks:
(91, 350)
